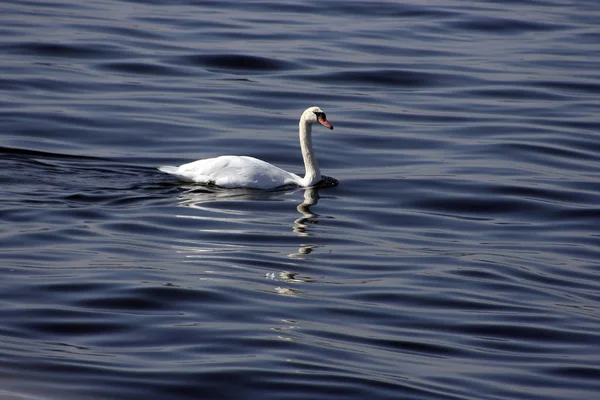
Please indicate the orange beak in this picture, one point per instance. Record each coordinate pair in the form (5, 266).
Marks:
(324, 122)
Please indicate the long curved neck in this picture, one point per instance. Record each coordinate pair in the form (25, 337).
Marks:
(313, 173)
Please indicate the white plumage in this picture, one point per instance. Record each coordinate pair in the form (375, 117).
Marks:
(250, 172)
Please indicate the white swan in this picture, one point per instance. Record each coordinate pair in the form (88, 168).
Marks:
(250, 172)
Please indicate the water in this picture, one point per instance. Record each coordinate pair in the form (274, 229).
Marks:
(457, 259)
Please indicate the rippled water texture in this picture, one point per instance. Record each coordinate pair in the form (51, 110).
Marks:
(458, 258)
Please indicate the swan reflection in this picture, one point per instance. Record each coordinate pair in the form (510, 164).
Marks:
(302, 224)
(235, 225)
(204, 198)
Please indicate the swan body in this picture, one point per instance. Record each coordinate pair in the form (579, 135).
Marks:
(250, 172)
(234, 172)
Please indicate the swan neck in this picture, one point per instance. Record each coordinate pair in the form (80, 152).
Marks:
(313, 173)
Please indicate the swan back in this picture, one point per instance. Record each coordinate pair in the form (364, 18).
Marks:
(234, 172)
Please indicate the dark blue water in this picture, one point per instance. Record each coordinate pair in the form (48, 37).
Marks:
(459, 257)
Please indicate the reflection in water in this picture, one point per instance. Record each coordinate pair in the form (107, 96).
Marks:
(286, 291)
(284, 331)
(196, 197)
(311, 198)
(302, 224)
(289, 277)
(205, 199)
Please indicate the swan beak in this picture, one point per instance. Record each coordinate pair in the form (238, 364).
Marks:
(324, 122)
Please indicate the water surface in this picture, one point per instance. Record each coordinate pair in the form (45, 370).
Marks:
(458, 258)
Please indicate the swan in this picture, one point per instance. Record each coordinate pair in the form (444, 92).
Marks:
(250, 172)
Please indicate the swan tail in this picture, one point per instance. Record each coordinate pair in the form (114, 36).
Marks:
(169, 169)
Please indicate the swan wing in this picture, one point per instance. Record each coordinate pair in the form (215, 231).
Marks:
(233, 172)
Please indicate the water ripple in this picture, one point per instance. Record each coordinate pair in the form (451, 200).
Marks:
(236, 62)
(452, 255)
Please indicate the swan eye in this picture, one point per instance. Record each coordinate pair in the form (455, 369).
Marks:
(320, 114)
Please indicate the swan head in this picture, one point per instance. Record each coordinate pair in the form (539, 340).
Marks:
(315, 114)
